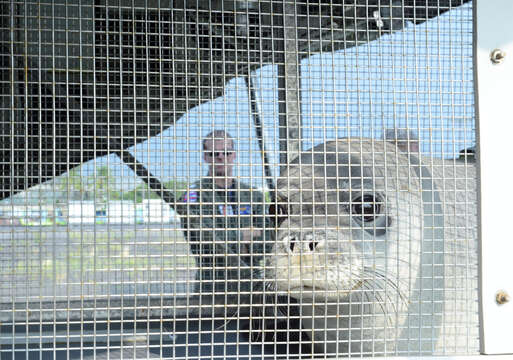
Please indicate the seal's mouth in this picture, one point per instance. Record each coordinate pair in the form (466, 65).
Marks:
(321, 291)
(319, 287)
(306, 288)
(318, 294)
(311, 274)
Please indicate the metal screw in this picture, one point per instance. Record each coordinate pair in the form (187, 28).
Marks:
(497, 56)
(502, 297)
(377, 17)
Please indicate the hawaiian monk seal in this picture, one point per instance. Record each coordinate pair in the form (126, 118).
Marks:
(378, 248)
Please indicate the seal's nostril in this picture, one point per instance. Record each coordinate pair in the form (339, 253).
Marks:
(291, 244)
(312, 245)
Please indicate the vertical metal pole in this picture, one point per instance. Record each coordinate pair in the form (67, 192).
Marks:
(289, 85)
(255, 113)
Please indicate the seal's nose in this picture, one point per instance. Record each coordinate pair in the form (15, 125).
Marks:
(311, 244)
(306, 243)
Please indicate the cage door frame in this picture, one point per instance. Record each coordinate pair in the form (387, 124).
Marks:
(493, 55)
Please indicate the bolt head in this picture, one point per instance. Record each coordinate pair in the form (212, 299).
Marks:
(497, 56)
(501, 297)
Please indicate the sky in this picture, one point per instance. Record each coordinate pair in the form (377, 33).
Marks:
(419, 78)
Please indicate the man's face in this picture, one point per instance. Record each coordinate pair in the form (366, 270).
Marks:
(219, 155)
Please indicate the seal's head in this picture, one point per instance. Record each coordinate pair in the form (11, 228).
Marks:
(349, 237)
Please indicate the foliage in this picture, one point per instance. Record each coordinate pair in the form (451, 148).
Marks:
(99, 186)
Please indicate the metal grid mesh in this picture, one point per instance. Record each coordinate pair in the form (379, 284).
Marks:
(117, 241)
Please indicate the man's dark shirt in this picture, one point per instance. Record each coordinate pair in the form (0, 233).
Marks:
(213, 225)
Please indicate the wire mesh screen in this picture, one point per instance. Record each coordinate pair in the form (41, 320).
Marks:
(237, 179)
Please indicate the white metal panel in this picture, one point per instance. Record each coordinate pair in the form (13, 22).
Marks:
(495, 89)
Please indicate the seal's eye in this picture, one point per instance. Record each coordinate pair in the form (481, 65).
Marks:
(366, 207)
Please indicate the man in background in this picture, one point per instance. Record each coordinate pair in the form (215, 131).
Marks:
(225, 221)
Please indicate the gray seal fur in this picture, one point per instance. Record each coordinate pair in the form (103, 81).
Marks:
(399, 276)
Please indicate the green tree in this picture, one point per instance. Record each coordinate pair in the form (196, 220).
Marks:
(69, 186)
(99, 186)
(102, 184)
